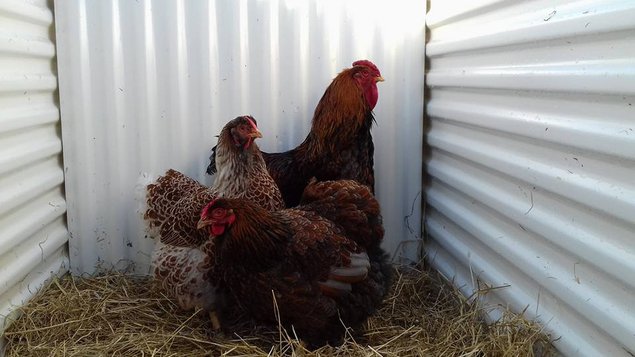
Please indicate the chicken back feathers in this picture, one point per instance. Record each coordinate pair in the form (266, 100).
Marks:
(286, 258)
(349, 204)
(174, 205)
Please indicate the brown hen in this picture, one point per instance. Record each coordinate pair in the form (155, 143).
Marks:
(311, 262)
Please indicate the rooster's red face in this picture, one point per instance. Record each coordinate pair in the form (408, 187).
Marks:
(216, 217)
(367, 75)
(244, 131)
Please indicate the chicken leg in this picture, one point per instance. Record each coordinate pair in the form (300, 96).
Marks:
(213, 316)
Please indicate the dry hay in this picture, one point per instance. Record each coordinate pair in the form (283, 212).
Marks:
(120, 315)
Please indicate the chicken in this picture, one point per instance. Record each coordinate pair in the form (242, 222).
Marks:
(310, 263)
(184, 255)
(339, 145)
(242, 172)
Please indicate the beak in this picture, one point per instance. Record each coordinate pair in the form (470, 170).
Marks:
(256, 134)
(379, 79)
(203, 223)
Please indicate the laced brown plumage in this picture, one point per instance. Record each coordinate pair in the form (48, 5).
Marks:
(303, 258)
(184, 254)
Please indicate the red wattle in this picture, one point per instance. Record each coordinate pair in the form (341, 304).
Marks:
(371, 95)
(218, 229)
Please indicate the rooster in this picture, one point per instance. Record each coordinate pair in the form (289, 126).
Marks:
(183, 258)
(339, 145)
(318, 265)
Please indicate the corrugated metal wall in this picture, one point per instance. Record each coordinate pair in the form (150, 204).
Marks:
(33, 232)
(145, 86)
(531, 161)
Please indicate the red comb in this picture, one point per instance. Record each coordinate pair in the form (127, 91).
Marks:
(251, 121)
(206, 208)
(366, 63)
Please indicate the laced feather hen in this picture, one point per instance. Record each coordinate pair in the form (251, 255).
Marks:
(183, 258)
(339, 145)
(320, 262)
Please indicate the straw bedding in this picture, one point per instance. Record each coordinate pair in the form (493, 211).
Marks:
(120, 315)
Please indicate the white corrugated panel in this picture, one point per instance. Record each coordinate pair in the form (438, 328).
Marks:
(33, 234)
(146, 85)
(531, 161)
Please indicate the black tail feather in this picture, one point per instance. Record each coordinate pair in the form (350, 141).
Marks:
(211, 168)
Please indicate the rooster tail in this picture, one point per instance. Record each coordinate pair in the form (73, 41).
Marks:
(140, 195)
(211, 168)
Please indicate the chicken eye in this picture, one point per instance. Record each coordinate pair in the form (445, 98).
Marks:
(244, 128)
(218, 213)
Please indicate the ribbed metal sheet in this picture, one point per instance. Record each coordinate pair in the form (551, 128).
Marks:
(146, 85)
(33, 234)
(531, 113)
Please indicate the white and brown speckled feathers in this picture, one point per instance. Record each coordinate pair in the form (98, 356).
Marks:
(242, 172)
(174, 204)
(183, 258)
(174, 201)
